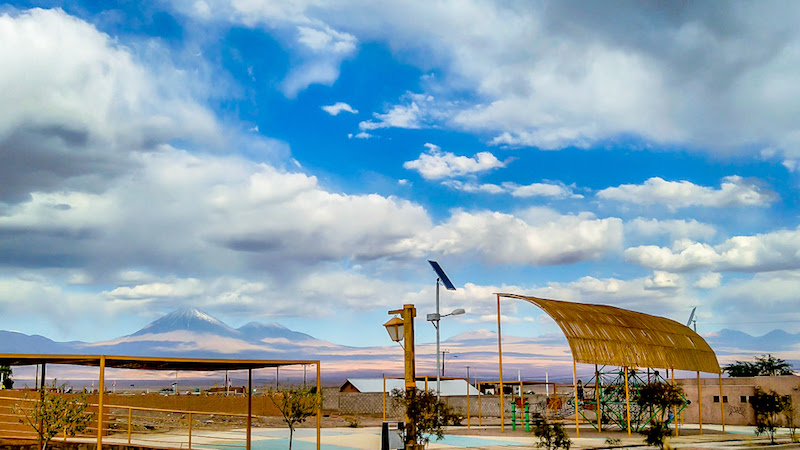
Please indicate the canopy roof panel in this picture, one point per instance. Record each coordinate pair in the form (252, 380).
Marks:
(146, 363)
(600, 334)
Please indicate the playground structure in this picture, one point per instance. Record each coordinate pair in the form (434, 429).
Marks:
(609, 336)
(607, 389)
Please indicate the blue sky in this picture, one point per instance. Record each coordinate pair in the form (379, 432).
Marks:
(300, 161)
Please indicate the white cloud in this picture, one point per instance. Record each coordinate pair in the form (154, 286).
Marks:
(684, 255)
(471, 187)
(675, 229)
(663, 280)
(709, 281)
(539, 74)
(777, 250)
(556, 190)
(734, 191)
(549, 190)
(542, 239)
(323, 49)
(415, 113)
(436, 164)
(338, 107)
(83, 103)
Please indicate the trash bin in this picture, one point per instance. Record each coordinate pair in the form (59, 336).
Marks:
(392, 435)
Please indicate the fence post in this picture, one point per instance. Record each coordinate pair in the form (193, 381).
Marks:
(190, 431)
(130, 424)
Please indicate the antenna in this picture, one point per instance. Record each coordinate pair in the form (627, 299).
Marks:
(692, 319)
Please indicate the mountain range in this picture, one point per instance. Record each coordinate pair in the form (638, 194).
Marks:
(193, 333)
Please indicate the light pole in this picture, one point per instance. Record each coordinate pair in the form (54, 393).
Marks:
(403, 330)
(436, 317)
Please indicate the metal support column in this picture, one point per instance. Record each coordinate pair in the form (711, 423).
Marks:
(699, 403)
(100, 403)
(249, 407)
(575, 391)
(627, 402)
(500, 366)
(721, 403)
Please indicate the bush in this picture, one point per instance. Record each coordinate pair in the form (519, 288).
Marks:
(551, 435)
(428, 413)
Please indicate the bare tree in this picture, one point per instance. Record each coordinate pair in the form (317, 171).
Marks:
(296, 405)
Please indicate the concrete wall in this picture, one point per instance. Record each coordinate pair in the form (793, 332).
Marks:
(738, 391)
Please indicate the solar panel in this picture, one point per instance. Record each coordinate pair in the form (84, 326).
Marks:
(442, 276)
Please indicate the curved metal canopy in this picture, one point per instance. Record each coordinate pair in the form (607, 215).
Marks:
(600, 334)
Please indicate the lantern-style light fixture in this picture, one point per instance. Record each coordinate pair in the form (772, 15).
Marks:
(395, 328)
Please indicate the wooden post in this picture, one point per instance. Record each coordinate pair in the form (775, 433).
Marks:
(721, 403)
(597, 409)
(249, 407)
(468, 425)
(130, 424)
(575, 390)
(627, 402)
(677, 428)
(480, 412)
(500, 366)
(699, 403)
(100, 403)
(319, 409)
(42, 387)
(190, 431)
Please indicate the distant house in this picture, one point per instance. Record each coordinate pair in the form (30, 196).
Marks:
(448, 387)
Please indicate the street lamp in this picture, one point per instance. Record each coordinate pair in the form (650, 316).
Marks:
(395, 328)
(436, 317)
(402, 329)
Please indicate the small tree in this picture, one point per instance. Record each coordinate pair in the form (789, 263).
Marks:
(768, 365)
(296, 405)
(429, 414)
(791, 422)
(767, 407)
(5, 376)
(663, 397)
(55, 413)
(551, 435)
(764, 365)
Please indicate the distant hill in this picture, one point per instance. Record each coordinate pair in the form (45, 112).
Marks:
(255, 331)
(732, 341)
(193, 333)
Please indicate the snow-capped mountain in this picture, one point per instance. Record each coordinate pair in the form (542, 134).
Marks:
(188, 319)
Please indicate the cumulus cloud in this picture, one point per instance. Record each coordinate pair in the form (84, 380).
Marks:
(82, 104)
(709, 281)
(436, 164)
(777, 250)
(338, 107)
(733, 191)
(536, 236)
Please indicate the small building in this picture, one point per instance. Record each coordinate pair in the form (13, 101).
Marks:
(448, 387)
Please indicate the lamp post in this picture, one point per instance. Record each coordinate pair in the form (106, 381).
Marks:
(402, 329)
(436, 317)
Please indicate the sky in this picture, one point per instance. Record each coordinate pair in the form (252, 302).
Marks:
(299, 162)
